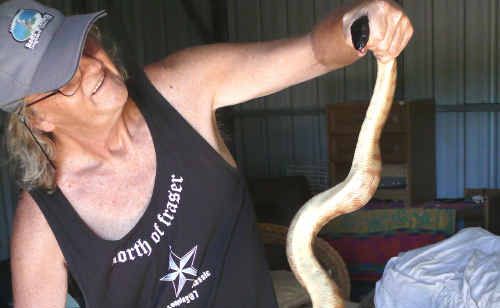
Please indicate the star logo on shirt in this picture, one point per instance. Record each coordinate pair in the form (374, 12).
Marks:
(181, 268)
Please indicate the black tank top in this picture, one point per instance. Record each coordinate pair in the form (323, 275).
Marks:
(196, 244)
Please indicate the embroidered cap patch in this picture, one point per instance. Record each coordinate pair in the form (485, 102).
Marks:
(27, 25)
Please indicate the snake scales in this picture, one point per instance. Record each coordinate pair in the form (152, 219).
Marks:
(351, 194)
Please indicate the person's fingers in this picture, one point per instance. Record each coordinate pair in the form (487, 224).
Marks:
(408, 35)
(378, 28)
(392, 20)
(390, 29)
(384, 58)
(397, 39)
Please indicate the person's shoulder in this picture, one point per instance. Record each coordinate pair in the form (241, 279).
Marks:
(28, 215)
(167, 80)
(184, 88)
(35, 253)
(188, 77)
(31, 232)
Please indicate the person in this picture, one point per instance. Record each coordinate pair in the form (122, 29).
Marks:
(129, 192)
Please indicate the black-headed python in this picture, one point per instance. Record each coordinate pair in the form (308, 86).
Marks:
(350, 195)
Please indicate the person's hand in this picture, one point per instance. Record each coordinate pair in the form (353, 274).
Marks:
(390, 28)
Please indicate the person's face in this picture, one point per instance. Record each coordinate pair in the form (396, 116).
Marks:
(96, 92)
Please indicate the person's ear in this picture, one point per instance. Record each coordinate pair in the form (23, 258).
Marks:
(41, 123)
(46, 126)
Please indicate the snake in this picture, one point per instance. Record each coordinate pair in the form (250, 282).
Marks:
(348, 196)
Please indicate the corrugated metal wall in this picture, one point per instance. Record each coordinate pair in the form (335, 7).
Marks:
(453, 58)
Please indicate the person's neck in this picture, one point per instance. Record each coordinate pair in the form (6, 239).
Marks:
(93, 146)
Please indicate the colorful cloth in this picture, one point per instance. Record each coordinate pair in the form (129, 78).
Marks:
(368, 238)
(366, 256)
(366, 222)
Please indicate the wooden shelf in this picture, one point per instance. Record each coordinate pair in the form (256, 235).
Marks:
(407, 145)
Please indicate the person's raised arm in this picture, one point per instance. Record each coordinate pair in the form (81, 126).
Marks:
(227, 74)
(39, 275)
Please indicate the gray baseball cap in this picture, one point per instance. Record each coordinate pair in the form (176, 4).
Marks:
(40, 49)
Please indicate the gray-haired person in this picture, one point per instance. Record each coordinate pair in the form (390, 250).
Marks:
(129, 192)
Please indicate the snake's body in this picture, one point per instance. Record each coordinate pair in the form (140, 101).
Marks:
(351, 194)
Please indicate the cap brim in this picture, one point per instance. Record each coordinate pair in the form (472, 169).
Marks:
(61, 59)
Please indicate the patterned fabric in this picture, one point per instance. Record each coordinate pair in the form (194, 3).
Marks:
(368, 238)
(367, 255)
(366, 222)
